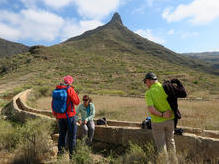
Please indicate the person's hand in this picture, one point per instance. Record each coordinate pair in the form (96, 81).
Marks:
(85, 122)
(77, 91)
(167, 114)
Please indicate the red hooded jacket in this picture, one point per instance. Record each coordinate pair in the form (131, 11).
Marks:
(72, 97)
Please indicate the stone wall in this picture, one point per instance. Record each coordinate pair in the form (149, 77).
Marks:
(198, 143)
(18, 110)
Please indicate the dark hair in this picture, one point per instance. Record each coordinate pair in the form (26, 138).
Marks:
(86, 97)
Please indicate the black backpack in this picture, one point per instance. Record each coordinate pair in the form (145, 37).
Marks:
(174, 89)
(102, 121)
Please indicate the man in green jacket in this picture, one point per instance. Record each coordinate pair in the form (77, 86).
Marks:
(161, 117)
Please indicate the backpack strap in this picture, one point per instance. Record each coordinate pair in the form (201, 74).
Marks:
(71, 103)
(69, 122)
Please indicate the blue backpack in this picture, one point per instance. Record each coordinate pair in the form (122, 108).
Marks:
(59, 100)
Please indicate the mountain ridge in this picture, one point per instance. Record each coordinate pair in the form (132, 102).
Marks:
(216, 53)
(122, 34)
(209, 57)
(8, 48)
(110, 59)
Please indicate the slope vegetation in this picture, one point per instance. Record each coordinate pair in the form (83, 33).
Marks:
(110, 59)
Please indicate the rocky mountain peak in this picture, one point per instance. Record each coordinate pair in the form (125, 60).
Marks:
(116, 19)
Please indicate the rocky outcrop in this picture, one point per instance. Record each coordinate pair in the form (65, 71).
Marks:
(197, 143)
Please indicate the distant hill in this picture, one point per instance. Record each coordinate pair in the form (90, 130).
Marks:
(8, 48)
(202, 54)
(210, 57)
(110, 59)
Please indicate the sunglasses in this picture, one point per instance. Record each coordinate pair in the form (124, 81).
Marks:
(85, 99)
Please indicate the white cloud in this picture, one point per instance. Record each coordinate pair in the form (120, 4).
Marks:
(30, 3)
(31, 24)
(92, 9)
(186, 35)
(171, 32)
(55, 4)
(8, 32)
(140, 10)
(148, 34)
(197, 12)
(73, 28)
(41, 25)
(96, 9)
(9, 17)
(38, 25)
(214, 50)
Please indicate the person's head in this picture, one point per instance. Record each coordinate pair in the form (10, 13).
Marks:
(68, 80)
(150, 78)
(86, 100)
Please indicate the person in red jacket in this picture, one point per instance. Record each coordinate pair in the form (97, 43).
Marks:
(67, 123)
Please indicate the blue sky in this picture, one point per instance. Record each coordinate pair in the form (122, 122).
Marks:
(180, 25)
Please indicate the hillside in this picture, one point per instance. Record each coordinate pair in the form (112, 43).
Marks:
(8, 48)
(114, 34)
(110, 59)
(210, 57)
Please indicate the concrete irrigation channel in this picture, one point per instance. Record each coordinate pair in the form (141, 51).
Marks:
(197, 142)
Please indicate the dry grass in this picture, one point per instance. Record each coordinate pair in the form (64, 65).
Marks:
(200, 114)
(111, 107)
(120, 108)
(197, 113)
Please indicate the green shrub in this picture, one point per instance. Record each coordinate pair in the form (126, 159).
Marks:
(83, 153)
(4, 69)
(41, 91)
(3, 102)
(137, 154)
(44, 91)
(134, 155)
(35, 142)
(9, 136)
(81, 156)
(195, 82)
